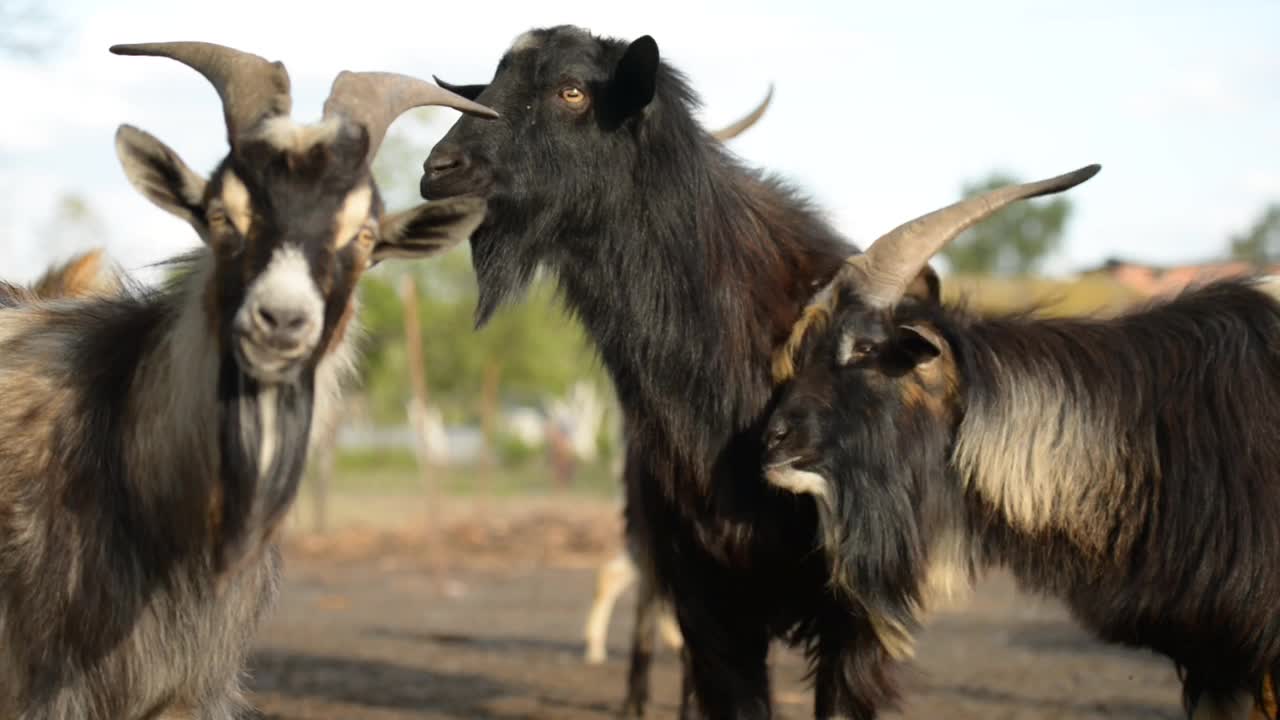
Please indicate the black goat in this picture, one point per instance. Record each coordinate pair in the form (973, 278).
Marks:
(152, 439)
(1127, 466)
(623, 569)
(688, 270)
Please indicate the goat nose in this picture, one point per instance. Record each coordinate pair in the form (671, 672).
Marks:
(282, 325)
(444, 160)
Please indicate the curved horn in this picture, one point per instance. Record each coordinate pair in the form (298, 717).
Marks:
(251, 87)
(376, 99)
(883, 273)
(893, 260)
(730, 132)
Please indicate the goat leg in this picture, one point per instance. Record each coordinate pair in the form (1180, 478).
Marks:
(648, 606)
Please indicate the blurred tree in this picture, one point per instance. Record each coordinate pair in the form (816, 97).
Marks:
(72, 226)
(1015, 240)
(539, 349)
(1260, 244)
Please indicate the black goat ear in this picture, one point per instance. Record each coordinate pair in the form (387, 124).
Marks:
(634, 78)
(470, 92)
(920, 343)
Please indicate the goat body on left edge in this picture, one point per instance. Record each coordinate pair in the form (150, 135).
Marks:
(154, 438)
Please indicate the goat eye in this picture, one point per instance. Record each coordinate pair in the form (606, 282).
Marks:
(217, 219)
(852, 351)
(572, 95)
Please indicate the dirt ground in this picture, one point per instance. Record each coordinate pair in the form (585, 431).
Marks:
(376, 625)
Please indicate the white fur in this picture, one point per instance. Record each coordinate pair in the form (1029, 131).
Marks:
(800, 482)
(270, 429)
(285, 284)
(527, 41)
(286, 134)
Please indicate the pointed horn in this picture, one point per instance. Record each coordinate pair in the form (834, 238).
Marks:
(375, 99)
(470, 92)
(730, 132)
(251, 87)
(894, 260)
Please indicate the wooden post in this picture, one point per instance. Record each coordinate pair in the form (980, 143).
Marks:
(413, 339)
(418, 387)
(321, 479)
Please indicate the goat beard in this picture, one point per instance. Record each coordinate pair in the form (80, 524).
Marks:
(503, 274)
(253, 415)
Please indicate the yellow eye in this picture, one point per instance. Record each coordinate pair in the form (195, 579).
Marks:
(572, 95)
(366, 237)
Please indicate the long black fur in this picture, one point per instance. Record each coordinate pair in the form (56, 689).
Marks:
(687, 269)
(1173, 549)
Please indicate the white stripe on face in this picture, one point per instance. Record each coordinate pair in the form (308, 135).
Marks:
(352, 215)
(286, 291)
(235, 199)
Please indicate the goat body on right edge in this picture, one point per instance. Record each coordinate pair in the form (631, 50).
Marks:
(1126, 466)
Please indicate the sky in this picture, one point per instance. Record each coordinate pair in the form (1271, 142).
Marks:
(882, 110)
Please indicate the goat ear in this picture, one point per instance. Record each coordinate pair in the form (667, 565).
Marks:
(921, 343)
(429, 228)
(470, 92)
(926, 288)
(160, 175)
(634, 79)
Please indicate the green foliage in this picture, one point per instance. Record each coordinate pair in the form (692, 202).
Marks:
(1259, 244)
(513, 452)
(1015, 240)
(537, 348)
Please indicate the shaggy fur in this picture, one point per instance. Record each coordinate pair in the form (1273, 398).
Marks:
(1126, 466)
(111, 497)
(687, 270)
(147, 459)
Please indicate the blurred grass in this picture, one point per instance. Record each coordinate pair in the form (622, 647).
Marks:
(1088, 294)
(395, 472)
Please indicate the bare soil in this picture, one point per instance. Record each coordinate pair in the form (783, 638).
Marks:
(483, 620)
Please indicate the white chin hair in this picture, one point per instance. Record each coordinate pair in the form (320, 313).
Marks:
(265, 369)
(800, 482)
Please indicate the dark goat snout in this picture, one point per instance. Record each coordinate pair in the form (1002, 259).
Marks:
(449, 171)
(444, 160)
